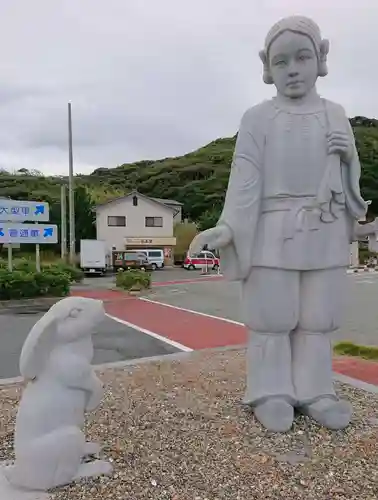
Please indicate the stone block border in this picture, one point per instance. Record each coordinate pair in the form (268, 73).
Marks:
(27, 306)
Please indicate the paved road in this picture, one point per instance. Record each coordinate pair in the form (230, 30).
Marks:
(113, 341)
(222, 299)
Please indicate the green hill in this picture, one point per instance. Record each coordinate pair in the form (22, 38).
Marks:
(197, 179)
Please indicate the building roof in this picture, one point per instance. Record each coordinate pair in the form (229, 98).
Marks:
(167, 202)
(160, 201)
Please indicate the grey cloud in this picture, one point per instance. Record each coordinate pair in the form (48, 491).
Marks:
(154, 79)
(12, 93)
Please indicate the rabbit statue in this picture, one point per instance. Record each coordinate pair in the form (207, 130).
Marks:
(50, 447)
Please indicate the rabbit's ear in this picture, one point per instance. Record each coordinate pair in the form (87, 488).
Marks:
(38, 345)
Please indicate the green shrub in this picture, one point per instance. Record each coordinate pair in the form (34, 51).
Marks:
(133, 280)
(17, 284)
(19, 264)
(76, 274)
(53, 283)
(23, 284)
(28, 265)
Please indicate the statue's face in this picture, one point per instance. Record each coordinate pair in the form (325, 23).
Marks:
(293, 64)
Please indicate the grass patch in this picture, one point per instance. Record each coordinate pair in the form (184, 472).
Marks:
(360, 351)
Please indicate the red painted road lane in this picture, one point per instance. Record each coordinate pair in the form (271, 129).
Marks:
(187, 328)
(201, 332)
(361, 369)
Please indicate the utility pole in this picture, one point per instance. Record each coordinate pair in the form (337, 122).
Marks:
(71, 189)
(63, 222)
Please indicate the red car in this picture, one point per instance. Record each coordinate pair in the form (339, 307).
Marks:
(200, 261)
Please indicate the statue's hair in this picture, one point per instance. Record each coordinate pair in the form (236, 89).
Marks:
(304, 26)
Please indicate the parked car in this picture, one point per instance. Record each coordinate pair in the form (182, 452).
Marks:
(200, 260)
(155, 257)
(130, 260)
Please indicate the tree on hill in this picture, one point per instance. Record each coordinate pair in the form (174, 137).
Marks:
(198, 180)
(366, 133)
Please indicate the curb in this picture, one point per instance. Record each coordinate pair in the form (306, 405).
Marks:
(362, 270)
(32, 305)
(178, 356)
(119, 365)
(357, 384)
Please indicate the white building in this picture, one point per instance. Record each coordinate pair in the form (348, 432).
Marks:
(138, 221)
(354, 247)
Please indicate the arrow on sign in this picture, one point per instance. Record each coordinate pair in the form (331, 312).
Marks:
(1, 232)
(39, 209)
(48, 232)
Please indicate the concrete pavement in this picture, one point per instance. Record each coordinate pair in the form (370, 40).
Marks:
(221, 299)
(167, 331)
(193, 330)
(112, 341)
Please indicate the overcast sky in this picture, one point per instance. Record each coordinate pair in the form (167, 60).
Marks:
(155, 78)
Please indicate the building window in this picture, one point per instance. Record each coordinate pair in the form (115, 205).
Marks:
(135, 201)
(154, 221)
(117, 220)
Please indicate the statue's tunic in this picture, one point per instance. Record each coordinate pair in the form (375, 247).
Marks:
(279, 162)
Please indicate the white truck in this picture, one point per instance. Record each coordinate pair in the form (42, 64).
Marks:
(93, 256)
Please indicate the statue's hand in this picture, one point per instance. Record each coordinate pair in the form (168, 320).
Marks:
(363, 230)
(216, 237)
(340, 143)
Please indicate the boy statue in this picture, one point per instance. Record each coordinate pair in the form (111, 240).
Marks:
(290, 214)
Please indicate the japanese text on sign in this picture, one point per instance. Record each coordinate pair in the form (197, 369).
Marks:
(13, 210)
(28, 233)
(22, 233)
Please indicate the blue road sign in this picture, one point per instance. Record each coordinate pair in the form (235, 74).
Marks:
(28, 233)
(14, 210)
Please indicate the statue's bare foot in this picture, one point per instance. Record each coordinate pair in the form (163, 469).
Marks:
(332, 413)
(275, 414)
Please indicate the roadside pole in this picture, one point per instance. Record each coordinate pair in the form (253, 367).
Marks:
(37, 258)
(63, 222)
(10, 257)
(71, 187)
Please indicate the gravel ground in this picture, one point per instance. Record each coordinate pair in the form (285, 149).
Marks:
(177, 431)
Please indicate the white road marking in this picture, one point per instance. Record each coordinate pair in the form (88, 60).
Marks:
(170, 342)
(191, 311)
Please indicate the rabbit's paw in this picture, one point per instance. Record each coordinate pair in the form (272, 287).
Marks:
(91, 449)
(94, 469)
